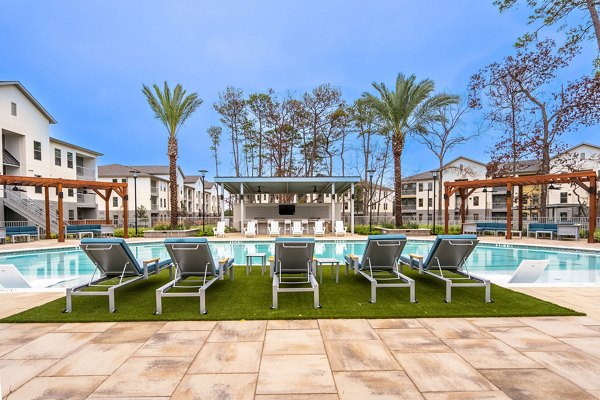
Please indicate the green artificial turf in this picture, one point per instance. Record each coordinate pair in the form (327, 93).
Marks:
(249, 297)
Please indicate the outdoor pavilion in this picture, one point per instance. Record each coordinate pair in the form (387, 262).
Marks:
(333, 185)
(585, 179)
(59, 184)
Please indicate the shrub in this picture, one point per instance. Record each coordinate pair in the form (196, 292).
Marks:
(119, 232)
(597, 235)
(209, 231)
(364, 230)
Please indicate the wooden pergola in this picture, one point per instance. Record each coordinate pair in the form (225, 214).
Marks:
(59, 184)
(585, 179)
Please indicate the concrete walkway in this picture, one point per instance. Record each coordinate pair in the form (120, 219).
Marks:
(475, 358)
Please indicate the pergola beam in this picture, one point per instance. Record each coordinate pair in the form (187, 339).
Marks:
(60, 184)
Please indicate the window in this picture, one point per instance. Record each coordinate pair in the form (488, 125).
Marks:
(69, 160)
(385, 206)
(13, 109)
(582, 156)
(71, 215)
(70, 192)
(264, 197)
(475, 200)
(37, 150)
(124, 180)
(115, 202)
(38, 189)
(563, 197)
(420, 187)
(429, 186)
(429, 202)
(420, 217)
(420, 202)
(57, 157)
(115, 180)
(115, 219)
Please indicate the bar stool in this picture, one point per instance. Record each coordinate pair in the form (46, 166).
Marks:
(287, 226)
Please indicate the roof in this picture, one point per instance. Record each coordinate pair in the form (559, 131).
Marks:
(521, 166)
(31, 98)
(427, 175)
(9, 159)
(75, 146)
(576, 146)
(287, 184)
(118, 170)
(156, 169)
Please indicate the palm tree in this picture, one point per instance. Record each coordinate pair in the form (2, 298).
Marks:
(405, 111)
(172, 109)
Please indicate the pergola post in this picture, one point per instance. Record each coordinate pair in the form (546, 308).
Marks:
(446, 212)
(125, 213)
(61, 228)
(332, 206)
(242, 207)
(463, 200)
(107, 206)
(47, 205)
(520, 203)
(222, 200)
(593, 208)
(352, 208)
(509, 188)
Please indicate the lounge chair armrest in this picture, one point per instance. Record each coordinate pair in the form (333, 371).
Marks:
(149, 261)
(415, 256)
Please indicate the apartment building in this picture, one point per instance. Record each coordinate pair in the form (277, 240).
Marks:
(149, 187)
(29, 150)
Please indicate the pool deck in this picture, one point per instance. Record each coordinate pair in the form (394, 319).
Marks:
(434, 359)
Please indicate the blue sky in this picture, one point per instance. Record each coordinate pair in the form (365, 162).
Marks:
(86, 61)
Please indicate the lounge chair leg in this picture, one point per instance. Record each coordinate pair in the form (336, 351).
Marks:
(111, 300)
(203, 301)
(373, 292)
(448, 292)
(69, 307)
(488, 293)
(274, 298)
(158, 303)
(317, 303)
(412, 292)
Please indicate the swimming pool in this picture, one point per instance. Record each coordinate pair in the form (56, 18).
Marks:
(68, 267)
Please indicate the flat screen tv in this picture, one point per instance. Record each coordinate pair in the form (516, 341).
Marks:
(287, 209)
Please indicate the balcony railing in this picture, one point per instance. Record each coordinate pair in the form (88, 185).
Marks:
(153, 207)
(409, 192)
(153, 191)
(86, 173)
(86, 199)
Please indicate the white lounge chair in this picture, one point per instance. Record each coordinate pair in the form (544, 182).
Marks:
(250, 229)
(192, 259)
(219, 230)
(274, 229)
(319, 228)
(114, 259)
(340, 229)
(297, 228)
(449, 254)
(380, 264)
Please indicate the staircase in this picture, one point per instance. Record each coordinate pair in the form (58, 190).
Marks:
(33, 210)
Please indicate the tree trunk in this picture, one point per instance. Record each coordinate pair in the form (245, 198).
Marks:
(440, 188)
(595, 20)
(397, 147)
(172, 153)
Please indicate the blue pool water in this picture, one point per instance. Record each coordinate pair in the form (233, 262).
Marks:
(67, 267)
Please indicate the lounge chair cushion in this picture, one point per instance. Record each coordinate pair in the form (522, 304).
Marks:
(375, 238)
(121, 242)
(437, 242)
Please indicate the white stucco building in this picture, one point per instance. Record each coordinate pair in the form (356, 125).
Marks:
(29, 150)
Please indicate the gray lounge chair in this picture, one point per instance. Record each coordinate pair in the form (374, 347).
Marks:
(293, 263)
(449, 256)
(380, 262)
(192, 259)
(114, 260)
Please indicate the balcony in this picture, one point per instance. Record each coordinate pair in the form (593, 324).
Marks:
(86, 200)
(409, 192)
(154, 207)
(496, 205)
(86, 173)
(153, 191)
(409, 207)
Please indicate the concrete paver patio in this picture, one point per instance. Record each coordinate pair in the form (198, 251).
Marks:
(433, 359)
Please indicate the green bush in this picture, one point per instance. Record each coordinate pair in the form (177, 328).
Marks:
(411, 225)
(388, 225)
(209, 231)
(364, 230)
(597, 235)
(119, 232)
